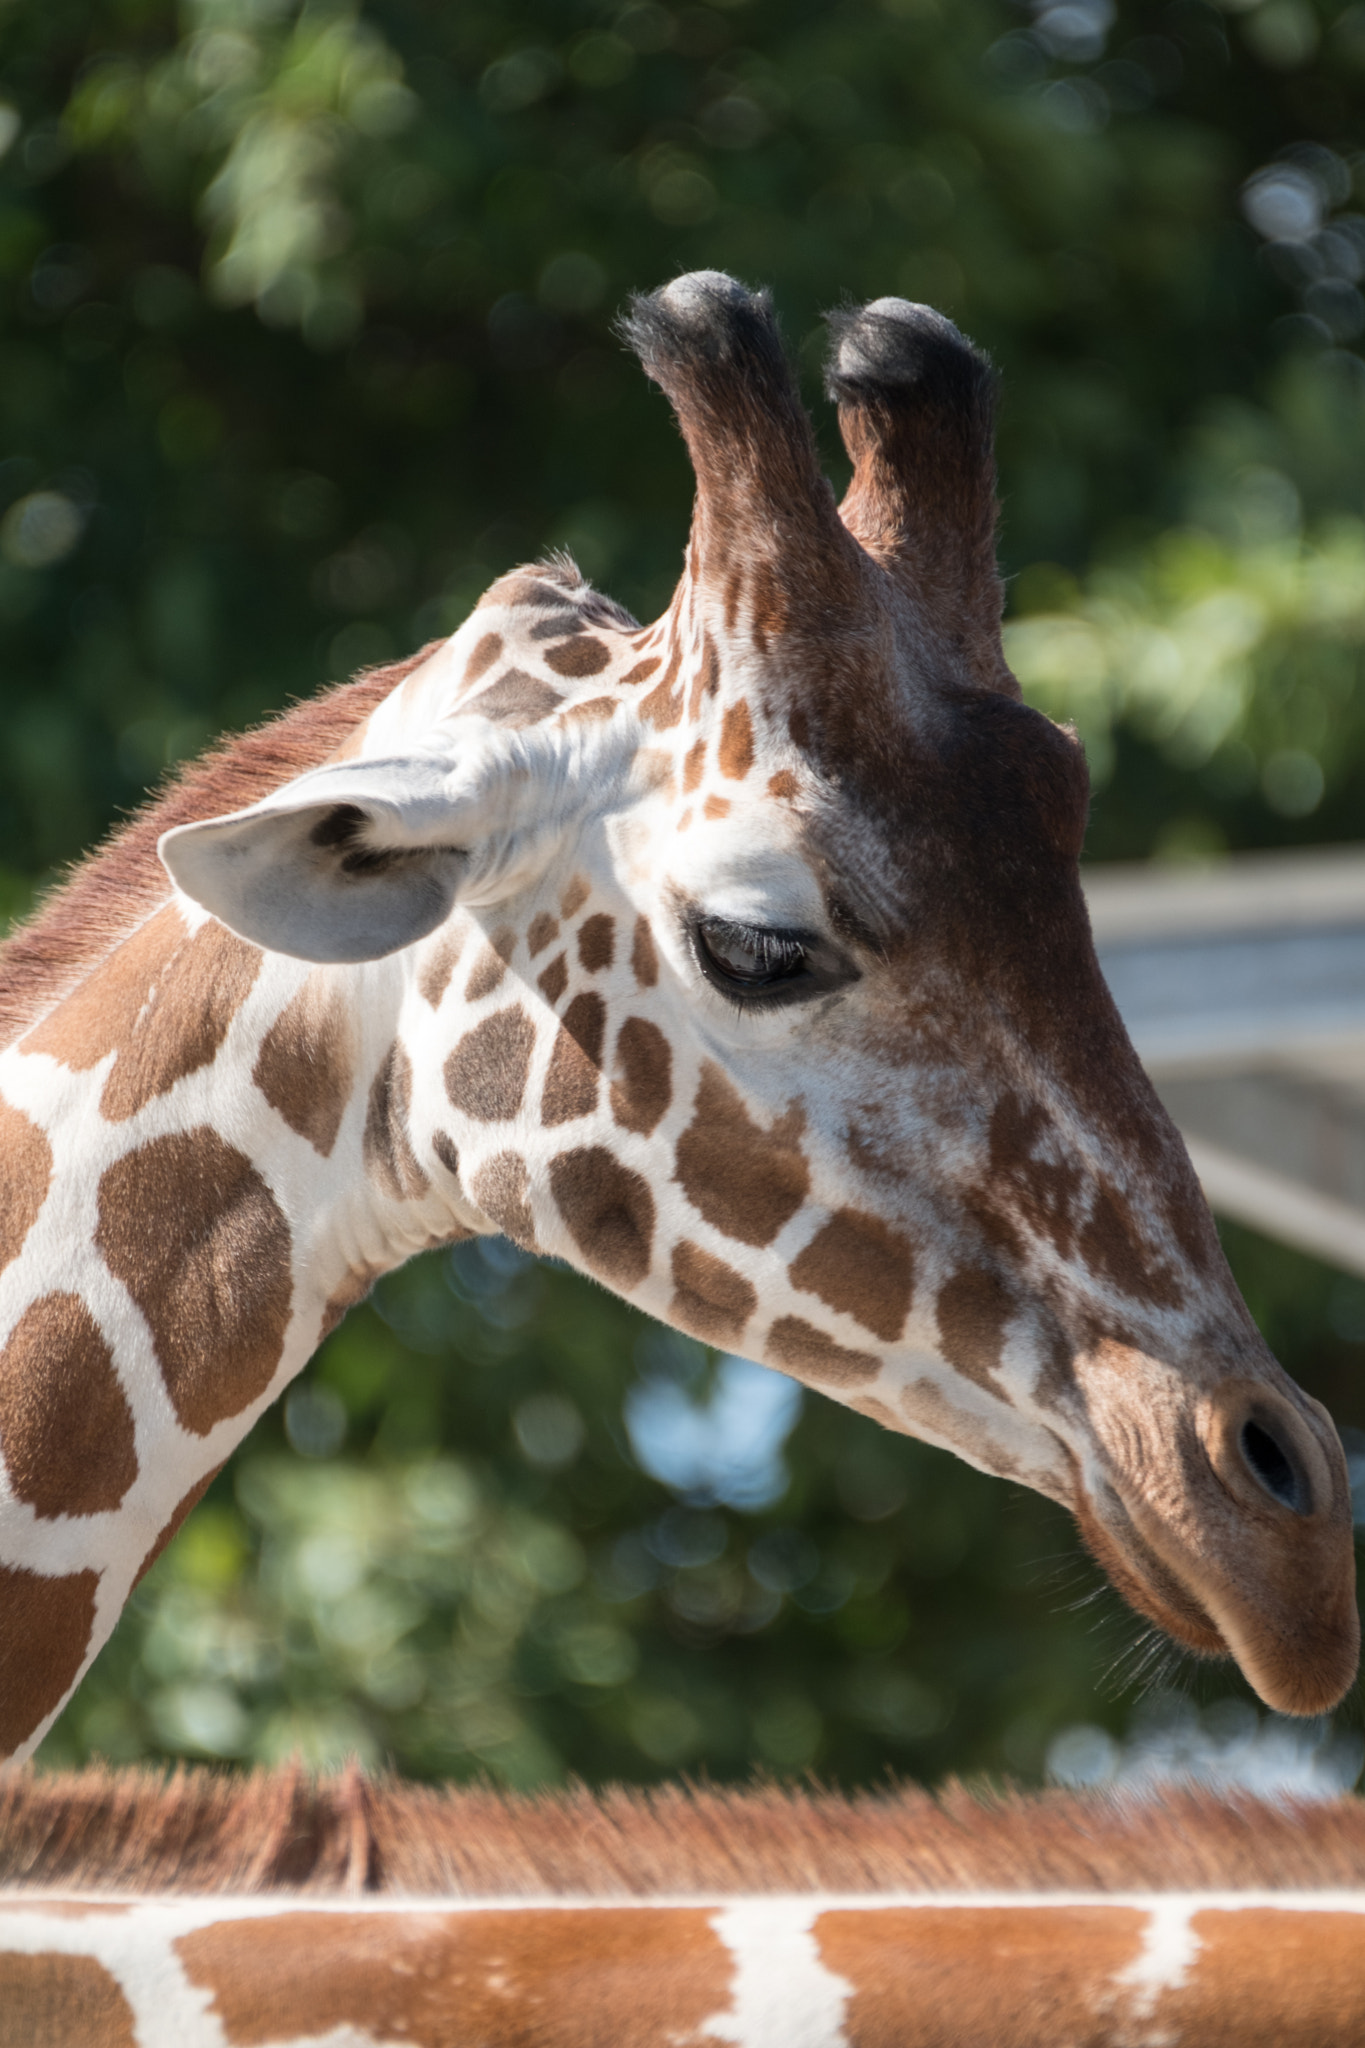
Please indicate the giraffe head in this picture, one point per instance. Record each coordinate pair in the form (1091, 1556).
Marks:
(742, 961)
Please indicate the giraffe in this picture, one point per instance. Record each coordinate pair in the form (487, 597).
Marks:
(204, 1913)
(740, 960)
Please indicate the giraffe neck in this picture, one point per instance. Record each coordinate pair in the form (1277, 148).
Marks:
(207, 1160)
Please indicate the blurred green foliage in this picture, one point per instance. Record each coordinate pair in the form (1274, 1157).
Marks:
(305, 335)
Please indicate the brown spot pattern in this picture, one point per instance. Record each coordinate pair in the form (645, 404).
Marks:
(66, 1429)
(102, 1012)
(574, 897)
(184, 1019)
(581, 656)
(25, 1175)
(767, 613)
(486, 1074)
(502, 1189)
(214, 1283)
(746, 1182)
(516, 700)
(1264, 1978)
(706, 682)
(306, 1065)
(710, 1299)
(663, 707)
(179, 1515)
(1008, 1975)
(553, 982)
(928, 1410)
(1044, 1190)
(783, 785)
(694, 762)
(642, 670)
(163, 1001)
(609, 1211)
(643, 958)
(716, 807)
(1055, 1385)
(443, 1145)
(387, 1145)
(576, 1062)
(558, 627)
(574, 1977)
(597, 942)
(541, 932)
(858, 1264)
(1113, 1247)
(524, 586)
(876, 1411)
(483, 657)
(642, 1084)
(45, 1629)
(344, 1297)
(440, 964)
(974, 1308)
(800, 1348)
(485, 975)
(736, 741)
(51, 2000)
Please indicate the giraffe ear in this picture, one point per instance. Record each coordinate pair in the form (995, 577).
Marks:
(358, 859)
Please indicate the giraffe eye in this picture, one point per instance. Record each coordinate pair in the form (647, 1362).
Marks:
(758, 967)
(744, 956)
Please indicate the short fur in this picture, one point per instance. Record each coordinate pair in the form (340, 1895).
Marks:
(282, 1830)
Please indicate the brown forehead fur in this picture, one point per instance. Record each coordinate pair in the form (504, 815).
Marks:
(282, 1830)
(110, 890)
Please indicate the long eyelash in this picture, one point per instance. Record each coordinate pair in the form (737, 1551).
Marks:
(774, 949)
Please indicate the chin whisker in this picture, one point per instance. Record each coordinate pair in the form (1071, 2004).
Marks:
(1138, 1665)
(1092, 1596)
(1141, 1659)
(1151, 1663)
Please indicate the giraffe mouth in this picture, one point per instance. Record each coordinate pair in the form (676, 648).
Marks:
(1144, 1579)
(1297, 1646)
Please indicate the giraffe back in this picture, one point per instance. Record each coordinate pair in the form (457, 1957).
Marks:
(206, 1912)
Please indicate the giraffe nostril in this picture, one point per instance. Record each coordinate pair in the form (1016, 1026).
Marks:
(1274, 1467)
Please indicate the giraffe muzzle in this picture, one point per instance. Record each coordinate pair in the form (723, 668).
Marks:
(1226, 1519)
(1273, 1565)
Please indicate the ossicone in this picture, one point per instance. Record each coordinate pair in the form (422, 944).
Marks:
(917, 413)
(714, 348)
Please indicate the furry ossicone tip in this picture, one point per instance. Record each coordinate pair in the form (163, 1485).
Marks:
(896, 344)
(698, 295)
(703, 315)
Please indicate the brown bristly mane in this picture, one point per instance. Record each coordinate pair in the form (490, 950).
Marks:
(115, 887)
(198, 1831)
